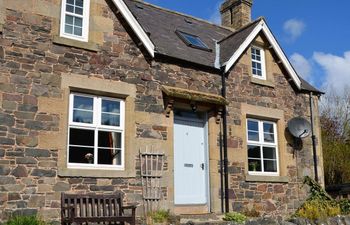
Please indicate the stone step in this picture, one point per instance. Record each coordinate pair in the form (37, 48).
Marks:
(201, 219)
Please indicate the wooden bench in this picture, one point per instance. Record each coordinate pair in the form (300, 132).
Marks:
(93, 208)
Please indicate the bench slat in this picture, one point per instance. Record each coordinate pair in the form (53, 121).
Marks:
(85, 208)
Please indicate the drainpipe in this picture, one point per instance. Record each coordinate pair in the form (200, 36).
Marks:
(223, 146)
(224, 125)
(313, 137)
(221, 172)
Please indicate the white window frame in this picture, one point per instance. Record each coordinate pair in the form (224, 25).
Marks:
(96, 126)
(85, 17)
(262, 62)
(261, 143)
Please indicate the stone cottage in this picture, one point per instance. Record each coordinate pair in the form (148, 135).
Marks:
(86, 84)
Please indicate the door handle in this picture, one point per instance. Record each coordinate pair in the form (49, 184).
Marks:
(202, 166)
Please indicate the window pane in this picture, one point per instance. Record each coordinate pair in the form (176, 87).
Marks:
(81, 155)
(110, 119)
(254, 165)
(258, 58)
(78, 22)
(254, 152)
(259, 66)
(69, 19)
(70, 2)
(253, 136)
(269, 153)
(259, 73)
(109, 157)
(78, 31)
(70, 8)
(110, 106)
(81, 137)
(82, 116)
(109, 139)
(79, 10)
(193, 40)
(79, 3)
(254, 65)
(270, 166)
(81, 102)
(268, 127)
(253, 125)
(68, 29)
(269, 137)
(257, 52)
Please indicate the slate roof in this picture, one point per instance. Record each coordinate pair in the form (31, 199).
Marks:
(160, 24)
(231, 43)
(305, 86)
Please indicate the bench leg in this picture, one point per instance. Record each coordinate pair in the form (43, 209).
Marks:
(133, 216)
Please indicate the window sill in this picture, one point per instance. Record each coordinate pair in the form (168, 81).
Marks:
(95, 173)
(74, 43)
(267, 179)
(262, 82)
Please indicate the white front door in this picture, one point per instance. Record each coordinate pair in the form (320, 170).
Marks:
(190, 159)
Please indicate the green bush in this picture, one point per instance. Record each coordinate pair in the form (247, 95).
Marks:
(319, 204)
(235, 217)
(344, 206)
(318, 209)
(25, 220)
(160, 216)
(251, 213)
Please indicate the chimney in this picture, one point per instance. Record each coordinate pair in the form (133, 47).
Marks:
(236, 13)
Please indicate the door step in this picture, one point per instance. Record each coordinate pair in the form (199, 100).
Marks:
(202, 219)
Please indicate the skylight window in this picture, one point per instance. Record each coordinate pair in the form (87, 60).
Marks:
(192, 40)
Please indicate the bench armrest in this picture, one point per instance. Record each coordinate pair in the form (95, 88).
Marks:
(130, 207)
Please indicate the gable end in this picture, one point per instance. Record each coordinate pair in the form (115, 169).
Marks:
(262, 26)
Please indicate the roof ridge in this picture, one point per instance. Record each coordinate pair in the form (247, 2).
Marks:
(182, 14)
(242, 28)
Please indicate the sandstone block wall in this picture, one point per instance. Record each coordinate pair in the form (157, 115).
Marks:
(34, 65)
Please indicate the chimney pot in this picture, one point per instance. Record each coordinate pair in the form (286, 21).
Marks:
(236, 13)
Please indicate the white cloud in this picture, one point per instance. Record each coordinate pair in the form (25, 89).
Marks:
(294, 28)
(336, 68)
(301, 65)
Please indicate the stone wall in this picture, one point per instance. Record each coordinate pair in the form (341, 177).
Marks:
(268, 198)
(33, 113)
(267, 195)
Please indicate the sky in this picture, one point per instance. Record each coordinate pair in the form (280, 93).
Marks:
(315, 34)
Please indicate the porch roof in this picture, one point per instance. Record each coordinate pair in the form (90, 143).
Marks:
(195, 96)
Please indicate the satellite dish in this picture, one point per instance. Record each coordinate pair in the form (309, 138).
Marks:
(299, 127)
